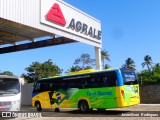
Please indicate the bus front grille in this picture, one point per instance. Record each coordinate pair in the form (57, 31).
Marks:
(5, 106)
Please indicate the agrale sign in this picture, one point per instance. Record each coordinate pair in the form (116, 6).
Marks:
(55, 15)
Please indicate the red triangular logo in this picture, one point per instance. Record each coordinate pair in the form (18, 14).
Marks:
(55, 15)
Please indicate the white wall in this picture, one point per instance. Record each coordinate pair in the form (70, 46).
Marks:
(26, 95)
(22, 81)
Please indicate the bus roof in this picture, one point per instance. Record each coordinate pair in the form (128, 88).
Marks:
(82, 72)
(7, 76)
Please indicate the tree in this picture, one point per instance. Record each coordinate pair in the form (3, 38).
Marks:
(85, 62)
(74, 68)
(150, 77)
(106, 66)
(41, 70)
(104, 56)
(6, 73)
(147, 62)
(156, 72)
(129, 63)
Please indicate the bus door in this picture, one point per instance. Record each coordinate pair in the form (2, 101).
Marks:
(41, 94)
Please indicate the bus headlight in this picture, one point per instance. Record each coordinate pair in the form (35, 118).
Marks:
(16, 102)
(16, 105)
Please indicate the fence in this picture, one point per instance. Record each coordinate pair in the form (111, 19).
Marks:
(150, 94)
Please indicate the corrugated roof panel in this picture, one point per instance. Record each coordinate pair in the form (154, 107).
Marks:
(11, 32)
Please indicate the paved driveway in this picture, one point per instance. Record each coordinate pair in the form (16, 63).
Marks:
(142, 111)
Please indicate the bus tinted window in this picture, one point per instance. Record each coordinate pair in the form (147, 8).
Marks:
(91, 80)
(129, 77)
(109, 79)
(9, 85)
(42, 86)
(94, 80)
(37, 88)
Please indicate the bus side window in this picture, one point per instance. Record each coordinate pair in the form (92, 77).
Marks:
(44, 87)
(112, 79)
(64, 85)
(51, 86)
(84, 83)
(92, 83)
(105, 81)
(72, 84)
(56, 84)
(100, 81)
(78, 83)
(37, 88)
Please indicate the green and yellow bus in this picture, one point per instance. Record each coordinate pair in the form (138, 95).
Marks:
(88, 89)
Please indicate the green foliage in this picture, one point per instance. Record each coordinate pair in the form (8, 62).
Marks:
(6, 73)
(106, 66)
(84, 62)
(74, 68)
(129, 63)
(150, 76)
(104, 56)
(147, 62)
(41, 70)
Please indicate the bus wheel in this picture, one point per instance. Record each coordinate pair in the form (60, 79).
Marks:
(83, 106)
(38, 106)
(57, 110)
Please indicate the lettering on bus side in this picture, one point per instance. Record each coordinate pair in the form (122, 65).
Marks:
(103, 93)
(99, 93)
(91, 94)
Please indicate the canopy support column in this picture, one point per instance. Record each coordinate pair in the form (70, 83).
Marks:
(98, 58)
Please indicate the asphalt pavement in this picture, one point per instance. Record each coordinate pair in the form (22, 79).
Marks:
(141, 111)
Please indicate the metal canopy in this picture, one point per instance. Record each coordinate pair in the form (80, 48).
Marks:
(25, 20)
(12, 33)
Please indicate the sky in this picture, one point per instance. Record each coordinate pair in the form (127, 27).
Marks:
(130, 28)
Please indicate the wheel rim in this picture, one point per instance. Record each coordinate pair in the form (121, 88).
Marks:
(38, 105)
(83, 107)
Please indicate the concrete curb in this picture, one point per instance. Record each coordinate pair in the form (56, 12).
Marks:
(149, 104)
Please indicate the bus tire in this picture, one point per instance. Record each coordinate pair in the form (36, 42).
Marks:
(57, 110)
(83, 106)
(38, 106)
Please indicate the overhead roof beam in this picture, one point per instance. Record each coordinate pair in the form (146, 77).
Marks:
(12, 32)
(24, 27)
(15, 36)
(5, 42)
(39, 44)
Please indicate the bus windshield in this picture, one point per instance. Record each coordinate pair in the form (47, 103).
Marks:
(9, 86)
(129, 77)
